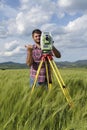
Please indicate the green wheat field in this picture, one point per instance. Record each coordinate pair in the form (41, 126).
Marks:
(43, 109)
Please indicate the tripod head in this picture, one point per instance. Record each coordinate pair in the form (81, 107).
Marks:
(46, 42)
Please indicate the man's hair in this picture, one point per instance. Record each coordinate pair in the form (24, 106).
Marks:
(36, 31)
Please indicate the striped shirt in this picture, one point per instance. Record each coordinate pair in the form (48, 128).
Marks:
(37, 54)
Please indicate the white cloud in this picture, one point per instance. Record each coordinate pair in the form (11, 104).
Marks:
(17, 51)
(79, 25)
(13, 51)
(7, 11)
(1, 53)
(33, 18)
(7, 23)
(46, 4)
(11, 27)
(3, 32)
(72, 6)
(77, 32)
(11, 46)
(71, 36)
(53, 28)
(64, 3)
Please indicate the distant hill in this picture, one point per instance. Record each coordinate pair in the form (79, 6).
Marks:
(79, 63)
(65, 64)
(12, 65)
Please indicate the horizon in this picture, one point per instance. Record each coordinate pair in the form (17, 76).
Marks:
(55, 61)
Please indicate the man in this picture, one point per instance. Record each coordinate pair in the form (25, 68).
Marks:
(34, 54)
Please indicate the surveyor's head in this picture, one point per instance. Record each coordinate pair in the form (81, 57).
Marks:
(36, 34)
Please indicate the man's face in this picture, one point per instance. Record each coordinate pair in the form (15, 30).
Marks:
(36, 38)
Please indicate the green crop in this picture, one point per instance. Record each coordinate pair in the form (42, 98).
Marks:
(43, 109)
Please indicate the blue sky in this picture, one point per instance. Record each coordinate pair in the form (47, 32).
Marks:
(65, 19)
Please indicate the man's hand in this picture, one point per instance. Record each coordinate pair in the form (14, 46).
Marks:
(56, 52)
(29, 59)
(29, 47)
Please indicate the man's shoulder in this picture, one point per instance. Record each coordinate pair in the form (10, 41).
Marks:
(34, 46)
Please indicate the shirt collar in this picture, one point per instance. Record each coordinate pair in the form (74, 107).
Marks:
(35, 46)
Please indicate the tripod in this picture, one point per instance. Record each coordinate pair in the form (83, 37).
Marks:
(47, 58)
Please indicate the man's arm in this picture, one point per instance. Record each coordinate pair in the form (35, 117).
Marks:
(56, 52)
(29, 59)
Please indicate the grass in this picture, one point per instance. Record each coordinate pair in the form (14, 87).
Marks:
(43, 109)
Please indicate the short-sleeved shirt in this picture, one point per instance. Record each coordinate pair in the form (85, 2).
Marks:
(37, 54)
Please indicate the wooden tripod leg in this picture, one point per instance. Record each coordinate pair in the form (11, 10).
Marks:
(36, 77)
(58, 73)
(61, 83)
(47, 76)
